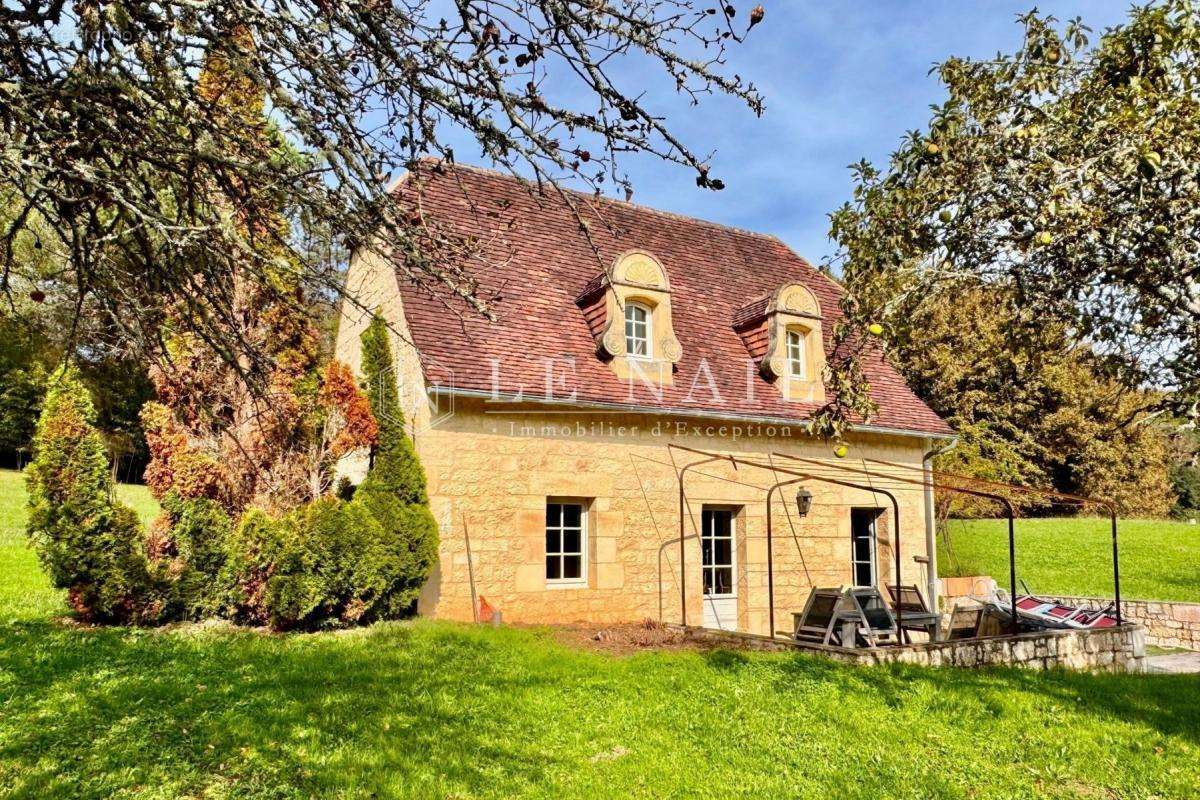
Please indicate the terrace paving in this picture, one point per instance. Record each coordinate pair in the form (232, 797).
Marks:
(1177, 663)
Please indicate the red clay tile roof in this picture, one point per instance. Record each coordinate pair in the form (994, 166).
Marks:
(542, 264)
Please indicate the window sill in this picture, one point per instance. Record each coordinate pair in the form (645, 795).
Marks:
(567, 584)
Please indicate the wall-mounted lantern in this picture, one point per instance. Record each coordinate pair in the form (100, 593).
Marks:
(803, 501)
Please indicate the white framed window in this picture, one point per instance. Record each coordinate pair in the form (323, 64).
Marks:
(638, 330)
(797, 355)
(566, 543)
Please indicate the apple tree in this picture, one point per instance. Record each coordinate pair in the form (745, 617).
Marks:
(1066, 176)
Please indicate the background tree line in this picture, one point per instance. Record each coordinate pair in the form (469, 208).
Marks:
(29, 355)
(1034, 406)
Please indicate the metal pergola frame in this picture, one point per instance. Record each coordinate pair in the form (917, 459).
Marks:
(1077, 499)
(924, 482)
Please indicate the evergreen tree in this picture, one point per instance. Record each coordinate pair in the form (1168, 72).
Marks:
(394, 491)
(395, 469)
(88, 543)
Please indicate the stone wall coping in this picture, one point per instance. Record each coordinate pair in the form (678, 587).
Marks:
(1003, 645)
(1124, 600)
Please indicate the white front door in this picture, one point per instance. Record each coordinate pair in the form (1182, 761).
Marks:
(719, 573)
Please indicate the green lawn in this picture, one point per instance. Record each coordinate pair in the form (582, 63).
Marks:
(23, 590)
(440, 710)
(1160, 560)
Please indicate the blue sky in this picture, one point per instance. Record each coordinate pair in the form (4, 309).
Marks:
(842, 81)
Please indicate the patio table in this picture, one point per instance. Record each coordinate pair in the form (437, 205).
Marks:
(921, 621)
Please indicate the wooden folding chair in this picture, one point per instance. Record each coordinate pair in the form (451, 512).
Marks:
(915, 614)
(817, 623)
(876, 625)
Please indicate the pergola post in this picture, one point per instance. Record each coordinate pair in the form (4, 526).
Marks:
(682, 473)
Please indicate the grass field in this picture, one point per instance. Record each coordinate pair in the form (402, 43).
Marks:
(23, 590)
(1160, 560)
(440, 710)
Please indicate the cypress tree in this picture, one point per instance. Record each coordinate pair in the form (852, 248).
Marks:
(394, 492)
(395, 469)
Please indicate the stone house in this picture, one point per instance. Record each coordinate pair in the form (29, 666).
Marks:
(549, 435)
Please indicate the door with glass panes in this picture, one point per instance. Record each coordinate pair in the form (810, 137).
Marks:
(863, 563)
(719, 567)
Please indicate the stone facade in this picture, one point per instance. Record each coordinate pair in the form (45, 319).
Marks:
(1121, 649)
(490, 475)
(492, 467)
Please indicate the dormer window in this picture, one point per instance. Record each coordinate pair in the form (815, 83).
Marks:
(638, 324)
(783, 333)
(628, 309)
(797, 354)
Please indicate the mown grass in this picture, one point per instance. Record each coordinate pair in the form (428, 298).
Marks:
(441, 710)
(1160, 559)
(23, 590)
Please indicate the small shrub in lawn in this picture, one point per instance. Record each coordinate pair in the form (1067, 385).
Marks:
(1185, 480)
(89, 544)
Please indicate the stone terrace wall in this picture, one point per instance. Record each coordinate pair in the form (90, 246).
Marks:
(1166, 624)
(1120, 649)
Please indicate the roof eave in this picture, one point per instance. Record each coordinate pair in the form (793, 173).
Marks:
(508, 397)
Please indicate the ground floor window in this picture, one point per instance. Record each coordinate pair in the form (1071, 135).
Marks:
(566, 542)
(862, 545)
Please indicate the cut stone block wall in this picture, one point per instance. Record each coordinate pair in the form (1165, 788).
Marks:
(1167, 624)
(1120, 649)
(491, 473)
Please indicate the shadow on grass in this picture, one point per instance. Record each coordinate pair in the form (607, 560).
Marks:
(89, 712)
(1165, 703)
(430, 710)
(726, 659)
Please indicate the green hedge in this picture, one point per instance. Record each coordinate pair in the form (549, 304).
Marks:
(327, 564)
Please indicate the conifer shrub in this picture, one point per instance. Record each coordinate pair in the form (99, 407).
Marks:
(394, 489)
(326, 564)
(345, 559)
(395, 469)
(348, 559)
(192, 556)
(88, 543)
(175, 466)
(252, 549)
(410, 536)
